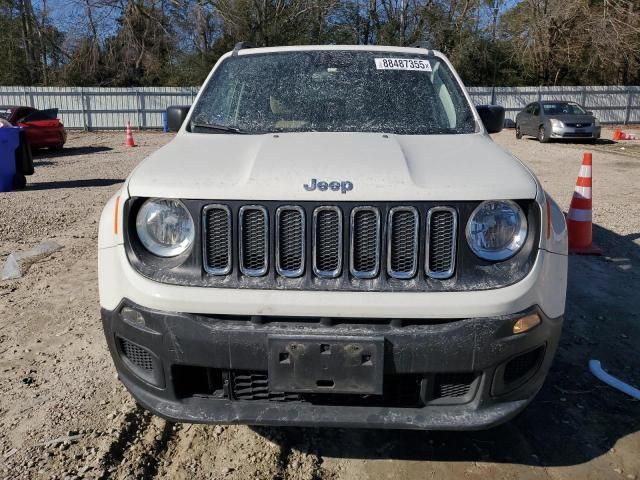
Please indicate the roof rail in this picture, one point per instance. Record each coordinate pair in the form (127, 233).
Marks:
(240, 46)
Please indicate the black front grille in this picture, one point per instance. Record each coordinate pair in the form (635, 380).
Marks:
(317, 242)
(254, 241)
(578, 135)
(578, 125)
(327, 257)
(290, 238)
(403, 390)
(365, 242)
(403, 241)
(137, 355)
(441, 242)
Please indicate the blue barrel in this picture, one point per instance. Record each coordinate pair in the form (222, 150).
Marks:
(165, 126)
(9, 141)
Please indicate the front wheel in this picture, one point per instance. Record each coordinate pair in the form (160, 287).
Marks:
(542, 135)
(518, 132)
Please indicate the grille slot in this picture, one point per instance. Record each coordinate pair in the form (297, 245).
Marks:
(365, 242)
(453, 385)
(255, 386)
(442, 229)
(254, 240)
(327, 242)
(217, 239)
(403, 390)
(138, 356)
(402, 260)
(290, 241)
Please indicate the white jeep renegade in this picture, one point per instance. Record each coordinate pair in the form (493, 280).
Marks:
(332, 238)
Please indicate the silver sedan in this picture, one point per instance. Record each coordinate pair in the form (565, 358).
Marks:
(557, 120)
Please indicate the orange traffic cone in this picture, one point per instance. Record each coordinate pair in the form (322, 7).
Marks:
(130, 142)
(579, 218)
(620, 135)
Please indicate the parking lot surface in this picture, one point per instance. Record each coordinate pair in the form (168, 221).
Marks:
(63, 413)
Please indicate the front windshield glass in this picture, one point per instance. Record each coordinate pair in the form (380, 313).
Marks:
(333, 91)
(563, 108)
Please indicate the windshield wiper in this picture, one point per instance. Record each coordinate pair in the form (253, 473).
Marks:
(216, 126)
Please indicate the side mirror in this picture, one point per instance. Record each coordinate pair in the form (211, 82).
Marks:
(492, 117)
(589, 112)
(176, 115)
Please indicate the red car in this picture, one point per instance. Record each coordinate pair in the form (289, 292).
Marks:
(42, 127)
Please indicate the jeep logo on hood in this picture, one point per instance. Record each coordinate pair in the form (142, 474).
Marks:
(334, 185)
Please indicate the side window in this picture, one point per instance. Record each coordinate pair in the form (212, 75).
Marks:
(536, 109)
(529, 108)
(444, 96)
(22, 113)
(18, 114)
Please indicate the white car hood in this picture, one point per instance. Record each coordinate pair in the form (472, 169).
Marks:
(380, 167)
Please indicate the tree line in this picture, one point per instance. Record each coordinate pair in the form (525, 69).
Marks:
(176, 42)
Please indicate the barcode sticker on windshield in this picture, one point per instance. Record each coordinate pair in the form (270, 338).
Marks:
(402, 64)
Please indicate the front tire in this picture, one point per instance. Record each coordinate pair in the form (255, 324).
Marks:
(518, 132)
(543, 137)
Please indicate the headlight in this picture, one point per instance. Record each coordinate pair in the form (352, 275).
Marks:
(556, 123)
(496, 230)
(165, 227)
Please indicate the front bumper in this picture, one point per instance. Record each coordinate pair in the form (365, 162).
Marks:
(460, 374)
(573, 133)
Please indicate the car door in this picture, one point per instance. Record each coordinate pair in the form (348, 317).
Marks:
(535, 119)
(524, 119)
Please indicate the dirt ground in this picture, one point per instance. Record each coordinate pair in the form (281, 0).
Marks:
(64, 415)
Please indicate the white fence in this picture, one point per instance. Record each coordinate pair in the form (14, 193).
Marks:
(110, 108)
(102, 108)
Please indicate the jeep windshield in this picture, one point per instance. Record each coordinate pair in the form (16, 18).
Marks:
(333, 91)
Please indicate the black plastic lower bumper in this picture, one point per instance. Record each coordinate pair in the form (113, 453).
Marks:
(427, 374)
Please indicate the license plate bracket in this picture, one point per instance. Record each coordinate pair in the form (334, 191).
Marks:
(313, 364)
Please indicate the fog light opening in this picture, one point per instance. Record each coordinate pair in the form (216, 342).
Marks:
(525, 324)
(133, 317)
